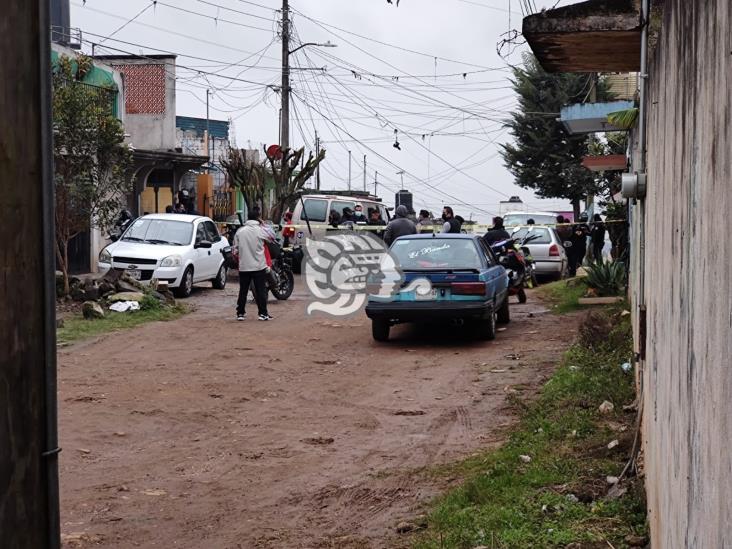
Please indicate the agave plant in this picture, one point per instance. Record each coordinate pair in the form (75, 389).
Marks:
(607, 278)
(625, 120)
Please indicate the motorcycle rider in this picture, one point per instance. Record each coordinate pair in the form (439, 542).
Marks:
(497, 233)
(249, 243)
(399, 226)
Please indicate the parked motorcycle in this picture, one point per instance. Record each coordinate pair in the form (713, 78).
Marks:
(513, 256)
(280, 280)
(124, 220)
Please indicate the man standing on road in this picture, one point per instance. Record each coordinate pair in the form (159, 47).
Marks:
(580, 232)
(597, 231)
(451, 224)
(424, 222)
(399, 226)
(249, 243)
(497, 233)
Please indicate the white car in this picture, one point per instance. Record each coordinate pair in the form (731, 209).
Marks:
(178, 249)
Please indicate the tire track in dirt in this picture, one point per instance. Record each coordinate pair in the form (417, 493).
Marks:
(214, 451)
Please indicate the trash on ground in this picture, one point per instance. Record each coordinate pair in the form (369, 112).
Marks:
(606, 407)
(124, 306)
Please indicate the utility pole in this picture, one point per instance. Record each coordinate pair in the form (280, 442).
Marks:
(349, 170)
(208, 129)
(364, 173)
(317, 154)
(29, 508)
(376, 183)
(285, 92)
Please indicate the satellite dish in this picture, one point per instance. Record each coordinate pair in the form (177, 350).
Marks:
(275, 152)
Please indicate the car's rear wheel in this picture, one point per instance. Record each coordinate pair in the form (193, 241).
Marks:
(522, 295)
(380, 329)
(186, 284)
(219, 282)
(504, 315)
(487, 327)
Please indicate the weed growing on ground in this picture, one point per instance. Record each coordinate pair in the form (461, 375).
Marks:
(77, 327)
(564, 294)
(558, 495)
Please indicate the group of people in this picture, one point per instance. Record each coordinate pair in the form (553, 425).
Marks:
(572, 235)
(185, 205)
(355, 215)
(403, 225)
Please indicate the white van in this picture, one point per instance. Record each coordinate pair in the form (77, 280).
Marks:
(317, 208)
(514, 219)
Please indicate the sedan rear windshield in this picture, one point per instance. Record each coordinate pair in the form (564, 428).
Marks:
(436, 254)
(538, 235)
(511, 220)
(159, 231)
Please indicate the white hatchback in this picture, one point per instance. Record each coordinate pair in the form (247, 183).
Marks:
(178, 249)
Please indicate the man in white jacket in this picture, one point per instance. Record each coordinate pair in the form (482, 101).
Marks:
(249, 243)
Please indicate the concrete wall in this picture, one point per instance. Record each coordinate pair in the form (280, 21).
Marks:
(149, 87)
(688, 373)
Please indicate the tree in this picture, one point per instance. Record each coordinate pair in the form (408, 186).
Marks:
(90, 157)
(250, 179)
(287, 184)
(544, 156)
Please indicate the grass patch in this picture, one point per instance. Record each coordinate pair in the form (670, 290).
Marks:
(564, 294)
(559, 497)
(77, 327)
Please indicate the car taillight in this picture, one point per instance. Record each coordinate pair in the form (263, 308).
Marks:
(553, 250)
(468, 288)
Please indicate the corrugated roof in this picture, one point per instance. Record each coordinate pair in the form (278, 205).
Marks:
(218, 128)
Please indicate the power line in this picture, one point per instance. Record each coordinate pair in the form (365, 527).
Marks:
(138, 14)
(474, 3)
(439, 157)
(219, 6)
(212, 18)
(373, 151)
(198, 71)
(167, 31)
(431, 56)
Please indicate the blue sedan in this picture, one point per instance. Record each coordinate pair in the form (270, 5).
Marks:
(450, 277)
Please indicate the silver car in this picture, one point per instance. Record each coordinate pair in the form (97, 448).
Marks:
(546, 250)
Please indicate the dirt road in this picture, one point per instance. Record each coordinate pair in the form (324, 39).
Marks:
(301, 432)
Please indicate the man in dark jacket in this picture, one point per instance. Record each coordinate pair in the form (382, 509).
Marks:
(451, 224)
(497, 233)
(399, 226)
(580, 232)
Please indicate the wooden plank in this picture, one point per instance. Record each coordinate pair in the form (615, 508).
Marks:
(599, 300)
(28, 479)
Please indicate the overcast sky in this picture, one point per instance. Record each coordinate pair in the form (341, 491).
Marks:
(448, 125)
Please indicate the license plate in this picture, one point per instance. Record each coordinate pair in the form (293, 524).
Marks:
(135, 274)
(429, 296)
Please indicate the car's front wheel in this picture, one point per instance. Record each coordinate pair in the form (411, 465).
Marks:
(380, 329)
(504, 315)
(219, 283)
(186, 284)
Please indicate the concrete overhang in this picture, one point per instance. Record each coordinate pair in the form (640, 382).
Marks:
(592, 117)
(605, 163)
(592, 36)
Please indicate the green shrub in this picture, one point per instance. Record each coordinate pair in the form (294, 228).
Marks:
(607, 278)
(150, 303)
